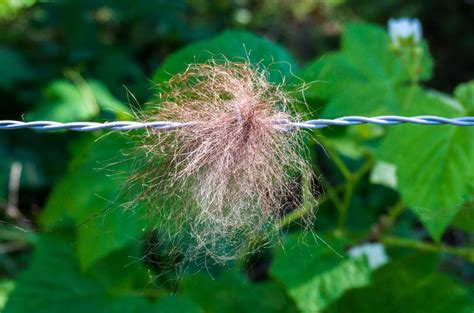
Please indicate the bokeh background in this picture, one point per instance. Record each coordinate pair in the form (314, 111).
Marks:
(49, 49)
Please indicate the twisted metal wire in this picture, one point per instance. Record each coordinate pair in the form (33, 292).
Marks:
(284, 124)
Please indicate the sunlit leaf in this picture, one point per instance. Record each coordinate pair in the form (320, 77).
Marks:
(433, 162)
(316, 275)
(64, 101)
(409, 285)
(363, 78)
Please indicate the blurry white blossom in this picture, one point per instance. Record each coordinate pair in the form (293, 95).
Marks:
(384, 173)
(375, 253)
(405, 30)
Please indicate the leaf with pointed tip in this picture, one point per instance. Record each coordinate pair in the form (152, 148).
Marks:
(433, 162)
(315, 275)
(407, 285)
(363, 77)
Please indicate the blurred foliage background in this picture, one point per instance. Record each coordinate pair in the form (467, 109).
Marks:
(97, 60)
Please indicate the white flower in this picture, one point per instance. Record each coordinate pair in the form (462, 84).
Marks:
(405, 29)
(384, 173)
(375, 253)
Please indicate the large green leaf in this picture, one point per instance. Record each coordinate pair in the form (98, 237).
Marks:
(433, 163)
(409, 285)
(464, 219)
(315, 275)
(235, 46)
(363, 78)
(55, 283)
(90, 195)
(232, 292)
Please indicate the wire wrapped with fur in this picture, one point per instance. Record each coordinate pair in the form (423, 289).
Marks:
(222, 184)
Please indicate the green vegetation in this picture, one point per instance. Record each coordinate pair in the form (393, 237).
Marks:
(65, 246)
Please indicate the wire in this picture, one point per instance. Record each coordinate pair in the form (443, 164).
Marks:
(387, 120)
(284, 124)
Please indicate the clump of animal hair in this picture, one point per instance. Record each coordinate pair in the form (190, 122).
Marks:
(219, 187)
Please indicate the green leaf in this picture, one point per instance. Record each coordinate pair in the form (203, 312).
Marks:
(433, 162)
(464, 93)
(465, 219)
(9, 9)
(171, 304)
(409, 285)
(90, 196)
(110, 230)
(64, 101)
(363, 78)
(88, 184)
(6, 287)
(14, 68)
(107, 102)
(54, 283)
(235, 46)
(368, 49)
(231, 292)
(315, 275)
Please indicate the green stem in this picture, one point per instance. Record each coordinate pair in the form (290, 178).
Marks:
(146, 292)
(348, 192)
(416, 53)
(395, 211)
(363, 169)
(299, 213)
(385, 222)
(339, 163)
(332, 193)
(428, 247)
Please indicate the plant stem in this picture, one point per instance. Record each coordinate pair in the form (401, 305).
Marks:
(348, 192)
(363, 169)
(299, 213)
(351, 183)
(429, 247)
(332, 192)
(345, 171)
(146, 292)
(395, 211)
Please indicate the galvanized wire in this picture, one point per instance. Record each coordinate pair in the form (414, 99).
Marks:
(284, 124)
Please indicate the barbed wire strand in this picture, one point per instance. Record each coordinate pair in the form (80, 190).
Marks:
(283, 124)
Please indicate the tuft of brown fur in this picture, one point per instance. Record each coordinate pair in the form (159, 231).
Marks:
(219, 186)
